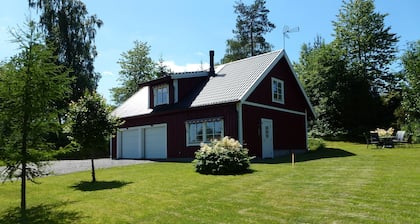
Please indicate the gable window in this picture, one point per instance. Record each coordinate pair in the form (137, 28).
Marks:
(199, 131)
(161, 94)
(277, 90)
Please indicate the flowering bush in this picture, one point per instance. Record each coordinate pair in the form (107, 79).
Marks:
(225, 156)
(385, 133)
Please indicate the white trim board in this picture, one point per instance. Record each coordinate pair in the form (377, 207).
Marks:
(273, 108)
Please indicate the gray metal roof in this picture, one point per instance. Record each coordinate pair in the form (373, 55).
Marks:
(234, 79)
(137, 104)
(230, 84)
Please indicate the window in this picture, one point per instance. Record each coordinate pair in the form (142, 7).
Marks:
(277, 90)
(204, 131)
(161, 94)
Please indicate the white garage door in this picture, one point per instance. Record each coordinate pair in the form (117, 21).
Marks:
(130, 144)
(155, 142)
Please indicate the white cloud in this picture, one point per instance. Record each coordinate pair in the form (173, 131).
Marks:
(107, 73)
(186, 68)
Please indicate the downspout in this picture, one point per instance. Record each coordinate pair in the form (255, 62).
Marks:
(240, 125)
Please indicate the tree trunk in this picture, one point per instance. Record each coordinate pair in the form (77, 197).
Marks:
(93, 171)
(23, 189)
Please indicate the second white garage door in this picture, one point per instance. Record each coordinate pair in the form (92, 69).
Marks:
(155, 142)
(130, 146)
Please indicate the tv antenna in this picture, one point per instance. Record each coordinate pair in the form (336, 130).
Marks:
(287, 30)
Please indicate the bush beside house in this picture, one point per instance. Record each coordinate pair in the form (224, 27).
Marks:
(225, 156)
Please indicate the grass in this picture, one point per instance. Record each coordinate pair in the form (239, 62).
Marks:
(344, 183)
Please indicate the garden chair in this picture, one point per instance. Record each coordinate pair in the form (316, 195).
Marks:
(373, 138)
(400, 138)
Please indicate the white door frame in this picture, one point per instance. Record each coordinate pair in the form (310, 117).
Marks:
(267, 141)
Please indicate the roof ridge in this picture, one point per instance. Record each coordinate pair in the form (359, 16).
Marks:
(254, 57)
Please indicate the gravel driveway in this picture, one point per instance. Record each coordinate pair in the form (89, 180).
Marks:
(71, 166)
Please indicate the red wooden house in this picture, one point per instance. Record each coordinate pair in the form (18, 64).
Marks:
(257, 100)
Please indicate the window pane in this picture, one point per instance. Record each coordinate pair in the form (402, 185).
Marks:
(218, 129)
(162, 95)
(192, 133)
(209, 131)
(199, 132)
(277, 90)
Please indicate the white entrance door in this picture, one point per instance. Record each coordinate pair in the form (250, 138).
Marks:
(130, 144)
(155, 142)
(267, 138)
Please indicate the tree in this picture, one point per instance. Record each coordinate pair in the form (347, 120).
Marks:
(68, 26)
(368, 45)
(411, 92)
(136, 67)
(251, 25)
(324, 77)
(348, 78)
(90, 124)
(29, 84)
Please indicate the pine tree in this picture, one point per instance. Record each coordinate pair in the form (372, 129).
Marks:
(30, 83)
(251, 25)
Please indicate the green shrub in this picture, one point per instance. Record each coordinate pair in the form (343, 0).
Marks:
(315, 144)
(225, 156)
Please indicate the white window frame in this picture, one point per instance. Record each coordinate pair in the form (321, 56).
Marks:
(274, 90)
(158, 93)
(203, 123)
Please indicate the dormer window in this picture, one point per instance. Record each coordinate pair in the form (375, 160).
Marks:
(161, 94)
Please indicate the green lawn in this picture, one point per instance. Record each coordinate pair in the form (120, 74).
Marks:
(345, 183)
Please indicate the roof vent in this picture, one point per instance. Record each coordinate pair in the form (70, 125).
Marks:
(211, 71)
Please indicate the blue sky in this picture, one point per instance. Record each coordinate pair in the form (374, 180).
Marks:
(183, 31)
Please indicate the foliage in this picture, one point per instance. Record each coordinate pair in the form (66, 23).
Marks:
(136, 67)
(411, 92)
(323, 75)
(90, 124)
(347, 78)
(30, 83)
(413, 128)
(224, 156)
(368, 45)
(410, 111)
(251, 25)
(316, 144)
(68, 26)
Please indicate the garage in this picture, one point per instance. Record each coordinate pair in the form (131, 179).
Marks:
(146, 142)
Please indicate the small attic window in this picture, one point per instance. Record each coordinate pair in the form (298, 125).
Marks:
(277, 90)
(161, 94)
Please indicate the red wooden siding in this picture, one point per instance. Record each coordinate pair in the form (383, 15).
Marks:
(186, 86)
(176, 133)
(289, 130)
(294, 98)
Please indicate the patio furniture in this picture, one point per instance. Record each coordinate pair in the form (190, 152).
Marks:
(400, 138)
(373, 139)
(387, 141)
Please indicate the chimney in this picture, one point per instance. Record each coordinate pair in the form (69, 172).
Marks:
(211, 71)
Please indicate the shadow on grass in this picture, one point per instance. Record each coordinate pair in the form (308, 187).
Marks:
(99, 185)
(44, 213)
(309, 156)
(243, 172)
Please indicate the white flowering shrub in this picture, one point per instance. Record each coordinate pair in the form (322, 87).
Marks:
(225, 156)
